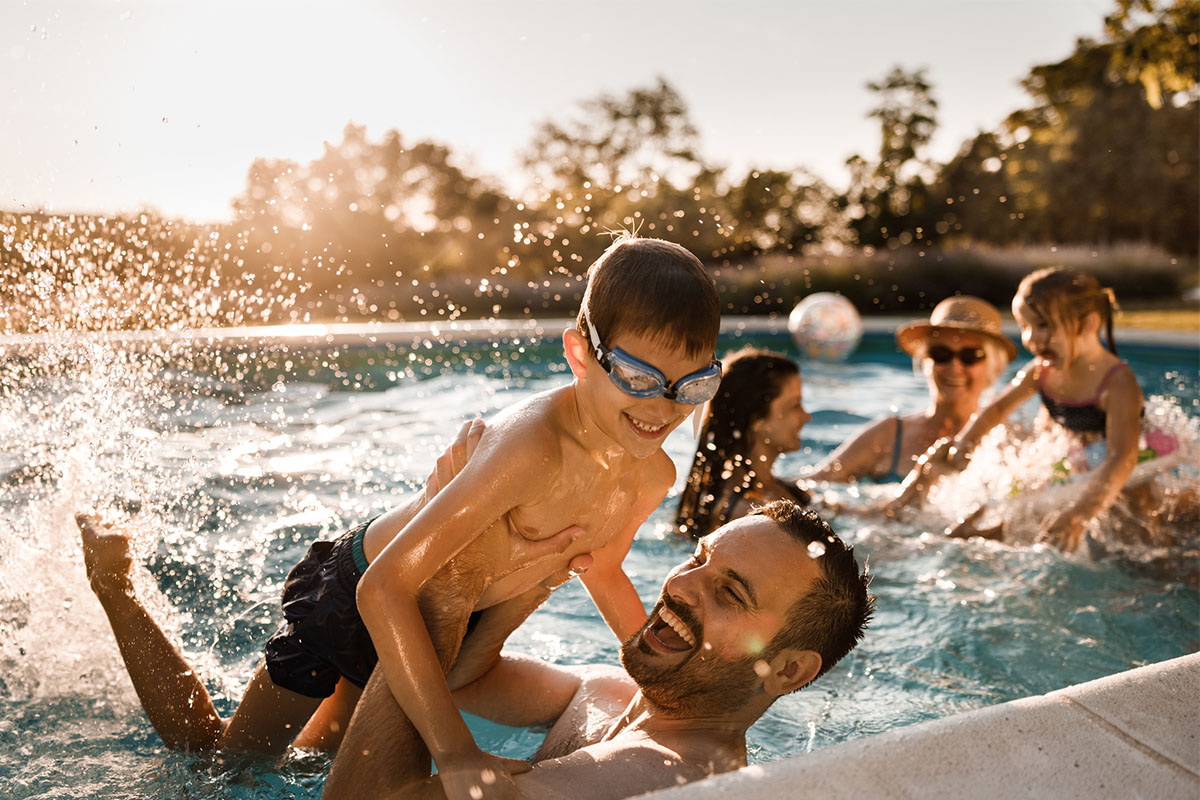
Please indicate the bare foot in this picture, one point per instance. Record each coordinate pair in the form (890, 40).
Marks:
(106, 555)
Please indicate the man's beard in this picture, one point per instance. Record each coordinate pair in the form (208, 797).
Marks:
(700, 685)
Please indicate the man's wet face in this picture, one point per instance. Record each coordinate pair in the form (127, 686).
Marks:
(719, 612)
(702, 684)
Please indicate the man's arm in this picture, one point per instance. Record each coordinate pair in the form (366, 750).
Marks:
(520, 690)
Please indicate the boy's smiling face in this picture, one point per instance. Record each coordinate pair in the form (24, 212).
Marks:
(639, 425)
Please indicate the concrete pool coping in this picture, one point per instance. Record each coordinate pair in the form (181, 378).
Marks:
(469, 331)
(1132, 734)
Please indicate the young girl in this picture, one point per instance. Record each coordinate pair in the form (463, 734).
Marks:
(1084, 388)
(755, 417)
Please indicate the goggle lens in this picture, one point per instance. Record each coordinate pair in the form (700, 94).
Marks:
(637, 379)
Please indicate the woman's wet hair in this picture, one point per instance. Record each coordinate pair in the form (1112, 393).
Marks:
(721, 469)
(655, 288)
(1066, 297)
(831, 617)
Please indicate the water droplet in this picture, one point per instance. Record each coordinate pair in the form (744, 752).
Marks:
(816, 549)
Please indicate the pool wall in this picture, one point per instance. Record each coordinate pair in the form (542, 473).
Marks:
(1133, 734)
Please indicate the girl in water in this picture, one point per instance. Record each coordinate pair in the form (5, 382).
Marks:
(1085, 389)
(755, 417)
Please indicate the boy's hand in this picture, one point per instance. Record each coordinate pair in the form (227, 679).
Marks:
(487, 777)
(454, 458)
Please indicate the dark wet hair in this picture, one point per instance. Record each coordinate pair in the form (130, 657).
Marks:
(655, 288)
(721, 470)
(1067, 296)
(832, 616)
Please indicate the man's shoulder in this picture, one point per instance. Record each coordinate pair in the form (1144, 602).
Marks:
(606, 678)
(612, 769)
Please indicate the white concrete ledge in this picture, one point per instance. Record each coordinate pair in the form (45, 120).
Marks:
(1135, 734)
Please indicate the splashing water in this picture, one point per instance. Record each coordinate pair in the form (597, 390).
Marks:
(227, 460)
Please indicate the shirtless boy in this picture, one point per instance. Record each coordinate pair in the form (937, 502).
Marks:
(587, 454)
(751, 616)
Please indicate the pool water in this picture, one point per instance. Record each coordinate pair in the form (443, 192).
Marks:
(230, 462)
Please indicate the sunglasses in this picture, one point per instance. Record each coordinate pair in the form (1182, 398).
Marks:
(638, 379)
(967, 356)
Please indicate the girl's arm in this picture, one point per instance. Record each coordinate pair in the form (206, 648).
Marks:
(605, 580)
(493, 481)
(951, 455)
(857, 456)
(1122, 402)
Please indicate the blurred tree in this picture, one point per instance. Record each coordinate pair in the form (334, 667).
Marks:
(888, 201)
(1097, 160)
(1157, 45)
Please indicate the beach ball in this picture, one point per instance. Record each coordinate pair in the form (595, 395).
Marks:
(826, 326)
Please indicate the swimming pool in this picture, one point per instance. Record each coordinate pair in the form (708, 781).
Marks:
(236, 458)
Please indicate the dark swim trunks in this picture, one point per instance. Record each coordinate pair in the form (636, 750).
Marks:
(323, 637)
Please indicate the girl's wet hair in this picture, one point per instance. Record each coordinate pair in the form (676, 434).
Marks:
(655, 288)
(721, 469)
(1066, 296)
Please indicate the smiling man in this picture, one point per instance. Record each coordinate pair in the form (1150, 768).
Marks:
(766, 604)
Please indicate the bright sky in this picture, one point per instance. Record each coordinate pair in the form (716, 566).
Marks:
(121, 104)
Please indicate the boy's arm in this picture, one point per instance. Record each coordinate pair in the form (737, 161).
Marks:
(951, 455)
(493, 481)
(606, 582)
(1123, 397)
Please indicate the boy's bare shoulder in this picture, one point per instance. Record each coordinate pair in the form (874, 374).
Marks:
(658, 473)
(532, 429)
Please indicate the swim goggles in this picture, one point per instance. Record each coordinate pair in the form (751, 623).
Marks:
(638, 379)
(968, 356)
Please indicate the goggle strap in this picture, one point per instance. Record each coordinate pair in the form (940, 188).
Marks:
(593, 334)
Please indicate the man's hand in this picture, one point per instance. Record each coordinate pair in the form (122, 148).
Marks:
(454, 458)
(484, 777)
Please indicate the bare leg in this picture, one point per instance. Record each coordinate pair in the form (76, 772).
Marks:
(269, 717)
(175, 700)
(382, 750)
(328, 725)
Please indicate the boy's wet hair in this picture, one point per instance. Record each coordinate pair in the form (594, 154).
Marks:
(1066, 296)
(833, 614)
(722, 469)
(654, 288)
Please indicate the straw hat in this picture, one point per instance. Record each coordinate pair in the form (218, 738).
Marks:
(959, 313)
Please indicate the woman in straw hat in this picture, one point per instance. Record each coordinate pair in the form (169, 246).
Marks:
(961, 350)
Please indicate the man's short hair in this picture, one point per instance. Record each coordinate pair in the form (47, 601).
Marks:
(655, 288)
(832, 616)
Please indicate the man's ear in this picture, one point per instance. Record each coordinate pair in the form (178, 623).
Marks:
(577, 351)
(790, 669)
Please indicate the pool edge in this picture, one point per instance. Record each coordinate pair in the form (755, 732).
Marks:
(1130, 734)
